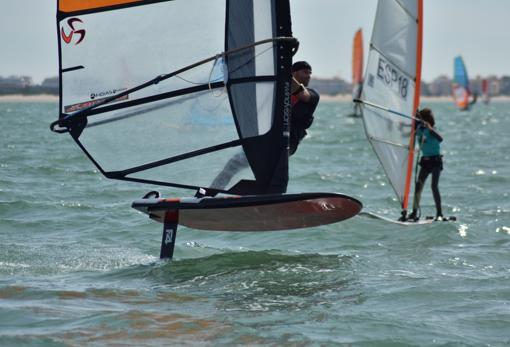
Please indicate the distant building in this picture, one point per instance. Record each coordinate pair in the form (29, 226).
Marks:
(424, 89)
(51, 82)
(15, 82)
(505, 85)
(329, 86)
(494, 85)
(440, 86)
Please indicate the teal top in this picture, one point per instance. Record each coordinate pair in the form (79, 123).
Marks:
(428, 143)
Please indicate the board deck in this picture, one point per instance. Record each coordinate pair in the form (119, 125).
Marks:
(254, 213)
(424, 221)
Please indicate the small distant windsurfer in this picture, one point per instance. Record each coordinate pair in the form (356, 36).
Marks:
(475, 97)
(431, 161)
(304, 102)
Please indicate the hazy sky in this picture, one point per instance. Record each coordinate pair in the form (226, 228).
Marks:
(477, 30)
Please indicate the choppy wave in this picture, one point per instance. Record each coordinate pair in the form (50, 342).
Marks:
(78, 266)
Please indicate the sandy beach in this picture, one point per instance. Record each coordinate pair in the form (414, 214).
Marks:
(29, 98)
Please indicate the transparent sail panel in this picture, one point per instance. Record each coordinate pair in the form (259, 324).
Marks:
(220, 170)
(125, 48)
(137, 135)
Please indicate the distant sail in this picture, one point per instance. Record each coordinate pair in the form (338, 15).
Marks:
(357, 70)
(167, 92)
(461, 89)
(391, 90)
(357, 64)
(485, 91)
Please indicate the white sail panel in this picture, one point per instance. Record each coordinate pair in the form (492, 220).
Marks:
(393, 71)
(389, 134)
(394, 35)
(127, 47)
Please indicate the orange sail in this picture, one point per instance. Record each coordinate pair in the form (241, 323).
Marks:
(357, 58)
(357, 63)
(81, 5)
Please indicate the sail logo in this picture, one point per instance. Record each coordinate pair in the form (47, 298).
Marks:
(393, 78)
(286, 110)
(80, 33)
(106, 93)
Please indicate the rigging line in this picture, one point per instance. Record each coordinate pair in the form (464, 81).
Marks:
(234, 70)
(249, 61)
(376, 139)
(386, 109)
(65, 120)
(210, 76)
(194, 83)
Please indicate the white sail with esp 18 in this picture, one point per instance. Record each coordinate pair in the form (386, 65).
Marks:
(391, 90)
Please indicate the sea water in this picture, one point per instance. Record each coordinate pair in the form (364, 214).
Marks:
(79, 266)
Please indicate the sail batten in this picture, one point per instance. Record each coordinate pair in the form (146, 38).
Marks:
(391, 89)
(373, 138)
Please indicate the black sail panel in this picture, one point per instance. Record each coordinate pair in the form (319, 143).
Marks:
(261, 108)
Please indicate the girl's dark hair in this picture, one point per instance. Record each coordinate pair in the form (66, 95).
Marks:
(427, 116)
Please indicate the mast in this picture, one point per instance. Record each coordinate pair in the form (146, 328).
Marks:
(416, 103)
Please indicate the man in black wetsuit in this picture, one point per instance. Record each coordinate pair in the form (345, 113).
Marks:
(304, 102)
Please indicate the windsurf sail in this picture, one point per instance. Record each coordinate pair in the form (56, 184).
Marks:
(391, 90)
(461, 88)
(357, 68)
(167, 92)
(485, 91)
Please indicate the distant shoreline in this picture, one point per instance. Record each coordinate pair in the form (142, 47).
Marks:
(324, 98)
(29, 98)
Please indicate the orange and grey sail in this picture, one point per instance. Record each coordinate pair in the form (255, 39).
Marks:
(357, 64)
(391, 90)
(357, 68)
